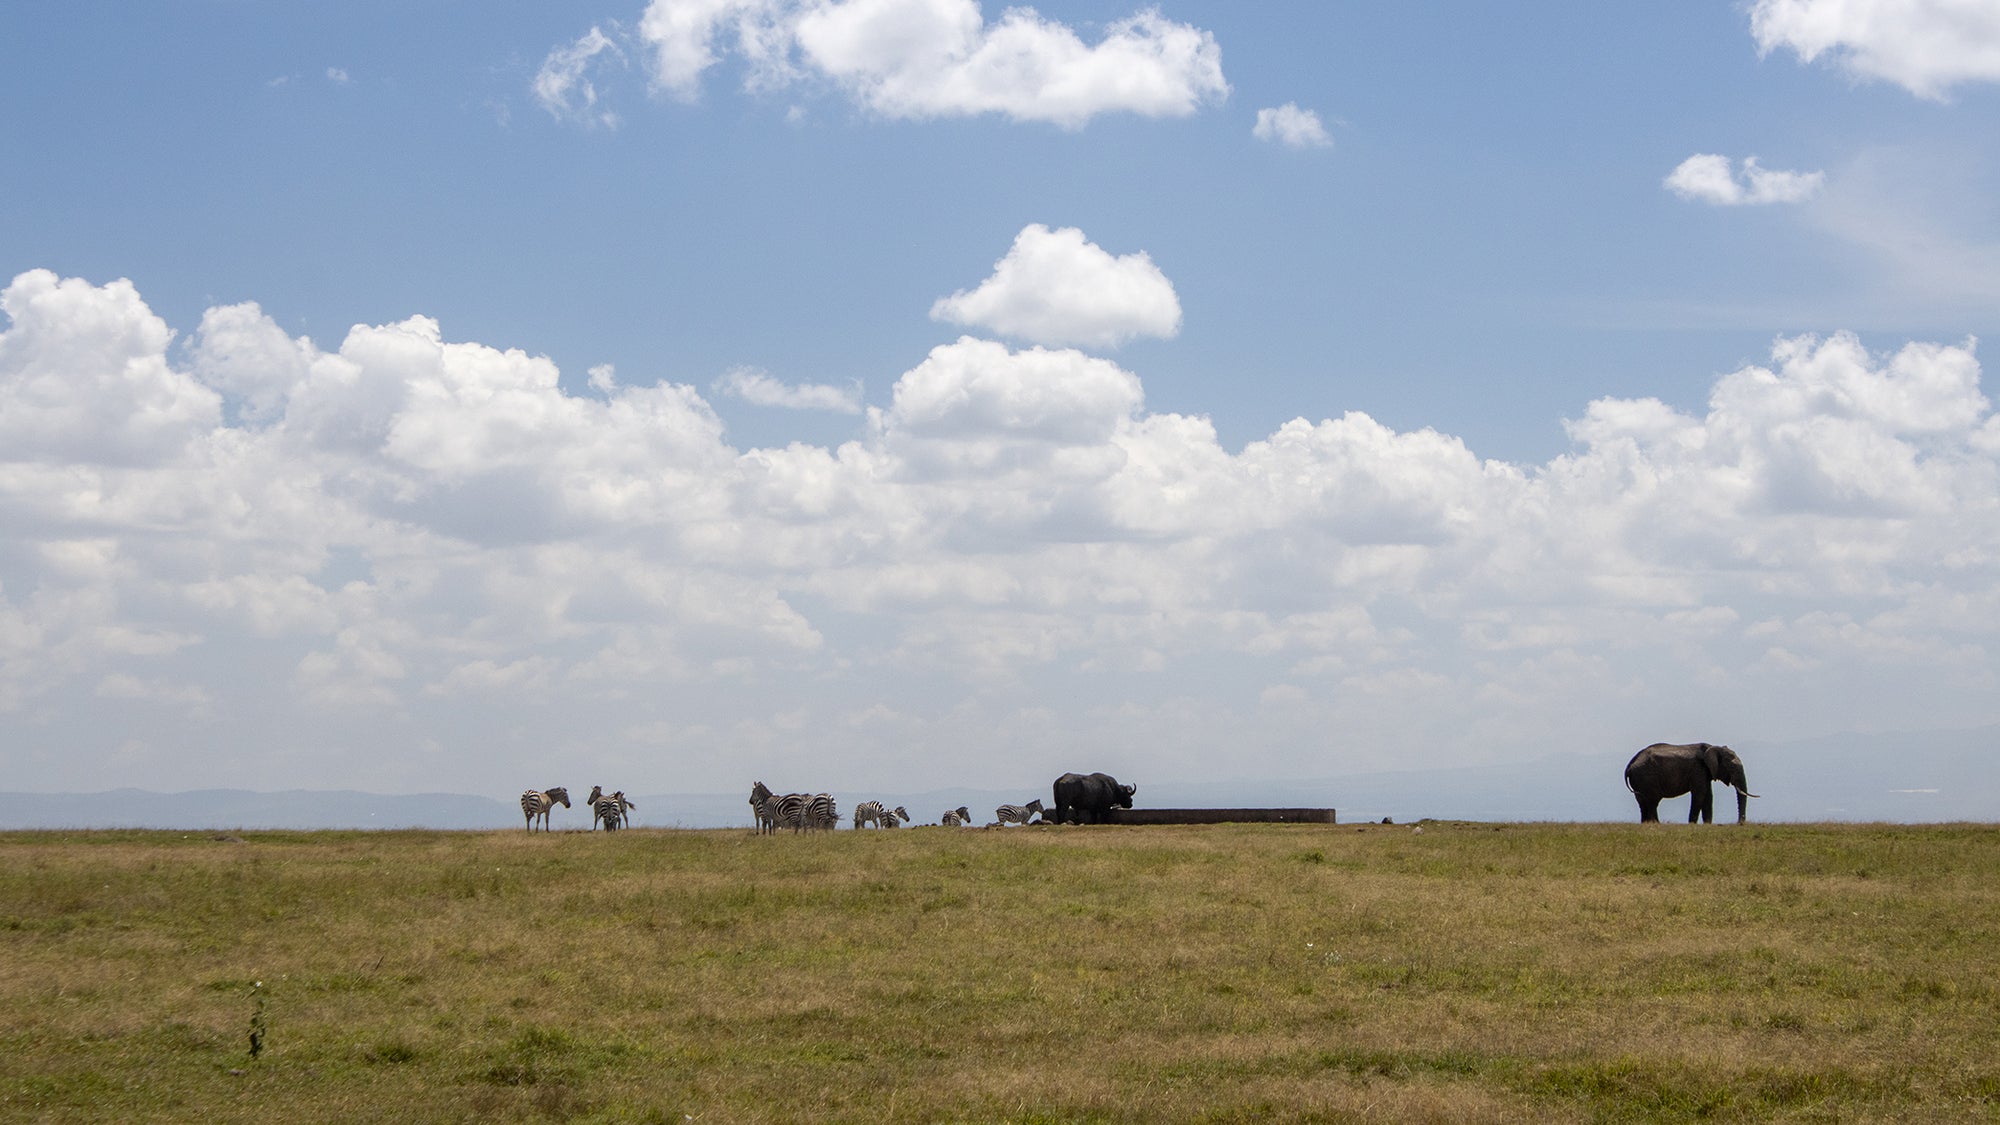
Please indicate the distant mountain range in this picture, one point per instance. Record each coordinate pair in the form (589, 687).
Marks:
(1918, 777)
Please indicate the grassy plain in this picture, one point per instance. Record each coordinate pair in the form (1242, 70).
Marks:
(1227, 973)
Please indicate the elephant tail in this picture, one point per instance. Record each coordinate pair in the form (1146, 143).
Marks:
(1628, 771)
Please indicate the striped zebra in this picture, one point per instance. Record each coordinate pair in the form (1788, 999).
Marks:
(764, 806)
(610, 810)
(1018, 814)
(956, 818)
(895, 818)
(873, 812)
(538, 802)
(775, 812)
(819, 813)
(789, 811)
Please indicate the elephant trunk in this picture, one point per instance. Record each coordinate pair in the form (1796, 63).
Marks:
(1741, 781)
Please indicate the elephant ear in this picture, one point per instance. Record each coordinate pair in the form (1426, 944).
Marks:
(1711, 756)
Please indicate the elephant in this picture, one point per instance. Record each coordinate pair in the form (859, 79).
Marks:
(1665, 770)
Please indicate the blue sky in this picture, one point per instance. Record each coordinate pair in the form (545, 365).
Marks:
(776, 531)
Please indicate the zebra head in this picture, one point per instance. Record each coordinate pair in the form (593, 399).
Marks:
(557, 794)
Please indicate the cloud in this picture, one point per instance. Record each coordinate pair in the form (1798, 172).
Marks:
(1056, 287)
(1708, 178)
(1292, 127)
(977, 388)
(682, 36)
(921, 59)
(330, 551)
(563, 85)
(240, 353)
(1925, 46)
(760, 389)
(191, 698)
(1924, 216)
(87, 381)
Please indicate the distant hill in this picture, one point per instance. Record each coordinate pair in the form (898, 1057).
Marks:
(241, 808)
(1916, 777)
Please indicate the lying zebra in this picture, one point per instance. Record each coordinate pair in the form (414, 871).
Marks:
(1018, 814)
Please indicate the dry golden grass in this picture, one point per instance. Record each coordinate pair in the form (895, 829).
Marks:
(1231, 973)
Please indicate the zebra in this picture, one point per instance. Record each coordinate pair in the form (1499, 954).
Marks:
(873, 812)
(896, 817)
(789, 811)
(956, 818)
(764, 806)
(775, 812)
(538, 802)
(819, 812)
(610, 810)
(1018, 814)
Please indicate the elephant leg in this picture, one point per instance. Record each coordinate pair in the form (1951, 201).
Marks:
(1701, 806)
(1649, 810)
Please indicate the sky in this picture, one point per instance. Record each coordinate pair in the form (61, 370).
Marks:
(916, 393)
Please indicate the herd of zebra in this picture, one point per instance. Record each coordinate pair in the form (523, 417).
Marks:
(804, 813)
(612, 810)
(800, 812)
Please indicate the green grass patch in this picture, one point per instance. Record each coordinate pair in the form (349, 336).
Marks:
(1225, 973)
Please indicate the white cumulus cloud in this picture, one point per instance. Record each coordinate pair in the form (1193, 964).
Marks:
(1925, 46)
(1056, 287)
(330, 551)
(921, 59)
(87, 380)
(1291, 126)
(1710, 178)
